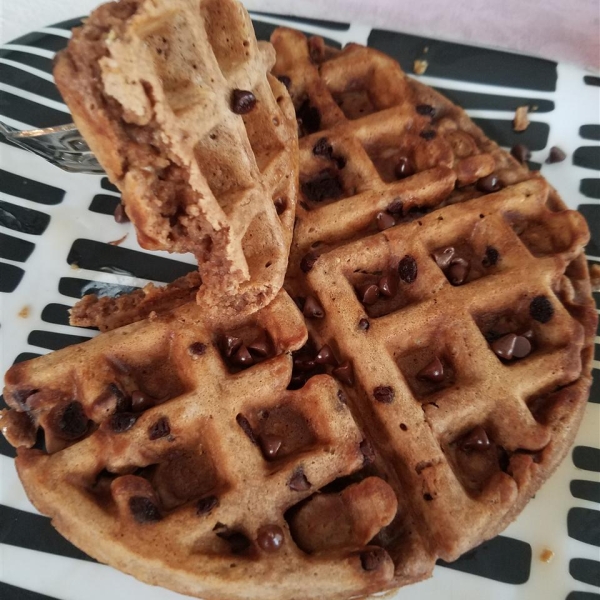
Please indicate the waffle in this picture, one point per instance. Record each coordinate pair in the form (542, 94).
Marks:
(187, 122)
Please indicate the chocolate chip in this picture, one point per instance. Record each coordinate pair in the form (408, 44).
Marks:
(280, 205)
(312, 309)
(476, 439)
(340, 161)
(522, 347)
(528, 335)
(285, 80)
(491, 257)
(384, 221)
(407, 269)
(230, 345)
(368, 293)
(325, 185)
(371, 560)
(367, 451)
(121, 422)
(403, 168)
(457, 271)
(325, 356)
(298, 481)
(196, 349)
(521, 152)
(388, 286)
(505, 346)
(541, 309)
(269, 538)
(160, 429)
(344, 373)
(261, 346)
(143, 509)
(270, 444)
(489, 184)
(205, 505)
(242, 101)
(396, 207)
(556, 155)
(364, 324)
(384, 394)
(246, 428)
(120, 214)
(426, 110)
(72, 421)
(309, 117)
(122, 401)
(238, 541)
(429, 134)
(242, 358)
(308, 262)
(303, 364)
(323, 148)
(141, 401)
(443, 257)
(342, 397)
(433, 371)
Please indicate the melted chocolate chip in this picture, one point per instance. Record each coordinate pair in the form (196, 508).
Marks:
(396, 207)
(309, 117)
(122, 402)
(521, 152)
(120, 214)
(197, 349)
(443, 257)
(426, 110)
(505, 346)
(160, 429)
(364, 324)
(491, 257)
(122, 422)
(308, 262)
(242, 101)
(388, 286)
(205, 505)
(261, 346)
(367, 451)
(141, 401)
(433, 371)
(270, 444)
(368, 293)
(457, 271)
(344, 373)
(429, 134)
(230, 345)
(323, 148)
(384, 394)
(246, 428)
(407, 269)
(522, 347)
(270, 538)
(556, 155)
(72, 421)
(371, 560)
(489, 184)
(325, 356)
(403, 168)
(312, 309)
(384, 221)
(144, 510)
(237, 540)
(477, 439)
(242, 358)
(325, 185)
(285, 80)
(298, 481)
(541, 309)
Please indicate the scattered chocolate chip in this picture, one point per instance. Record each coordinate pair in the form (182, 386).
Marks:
(521, 152)
(323, 148)
(541, 309)
(388, 286)
(280, 205)
(261, 346)
(270, 444)
(429, 134)
(368, 293)
(309, 117)
(384, 394)
(308, 262)
(426, 110)
(246, 428)
(407, 269)
(433, 371)
(242, 101)
(489, 184)
(476, 439)
(269, 538)
(364, 324)
(72, 421)
(141, 401)
(325, 185)
(396, 207)
(342, 397)
(285, 80)
(556, 155)
(403, 168)
(505, 346)
(196, 349)
(443, 257)
(160, 429)
(325, 356)
(312, 309)
(120, 214)
(522, 347)
(344, 373)
(384, 221)
(368, 452)
(371, 560)
(457, 271)
(205, 505)
(143, 509)
(298, 481)
(491, 257)
(238, 541)
(121, 422)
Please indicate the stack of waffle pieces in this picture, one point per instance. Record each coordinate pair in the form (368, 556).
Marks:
(325, 426)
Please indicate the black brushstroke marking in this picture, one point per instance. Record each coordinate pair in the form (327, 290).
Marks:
(105, 184)
(335, 25)
(583, 596)
(29, 82)
(534, 166)
(583, 524)
(29, 189)
(96, 256)
(10, 592)
(54, 341)
(31, 113)
(535, 137)
(23, 220)
(10, 277)
(501, 559)
(39, 39)
(479, 101)
(78, 288)
(590, 188)
(264, 30)
(591, 80)
(587, 157)
(56, 313)
(586, 490)
(68, 25)
(25, 58)
(591, 212)
(26, 356)
(587, 458)
(34, 532)
(595, 390)
(14, 248)
(590, 132)
(104, 204)
(585, 570)
(467, 63)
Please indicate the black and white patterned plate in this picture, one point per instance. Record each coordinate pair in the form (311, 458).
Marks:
(55, 230)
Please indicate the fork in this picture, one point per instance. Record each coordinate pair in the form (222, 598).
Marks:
(63, 146)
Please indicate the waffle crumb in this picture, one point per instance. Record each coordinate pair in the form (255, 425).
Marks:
(521, 122)
(25, 312)
(420, 66)
(547, 556)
